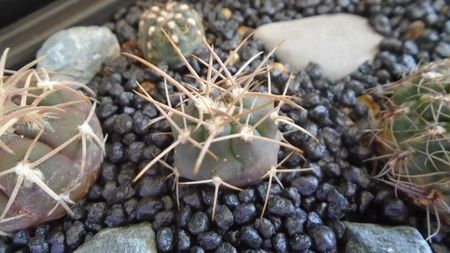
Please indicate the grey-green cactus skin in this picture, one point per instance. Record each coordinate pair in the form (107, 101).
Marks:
(181, 23)
(239, 162)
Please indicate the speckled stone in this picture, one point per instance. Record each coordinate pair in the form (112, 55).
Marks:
(371, 238)
(132, 239)
(78, 52)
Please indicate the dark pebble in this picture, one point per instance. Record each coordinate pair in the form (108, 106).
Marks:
(184, 215)
(265, 227)
(231, 200)
(347, 98)
(183, 240)
(323, 238)
(300, 242)
(38, 245)
(313, 220)
(123, 123)
(293, 194)
(147, 208)
(395, 210)
(338, 228)
(357, 176)
(381, 24)
(105, 110)
(280, 206)
(247, 196)
(115, 216)
(163, 218)
(165, 239)
(365, 198)
(21, 237)
(193, 198)
(198, 223)
(280, 243)
(244, 214)
(348, 189)
(75, 234)
(337, 205)
(443, 49)
(56, 240)
(209, 240)
(294, 224)
(223, 217)
(134, 151)
(320, 115)
(115, 151)
(197, 249)
(226, 248)
(250, 237)
(151, 186)
(306, 185)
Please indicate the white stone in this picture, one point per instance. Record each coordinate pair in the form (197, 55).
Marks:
(338, 42)
(77, 53)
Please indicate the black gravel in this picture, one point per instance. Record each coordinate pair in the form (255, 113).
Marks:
(305, 215)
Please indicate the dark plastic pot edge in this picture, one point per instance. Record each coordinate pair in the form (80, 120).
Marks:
(25, 36)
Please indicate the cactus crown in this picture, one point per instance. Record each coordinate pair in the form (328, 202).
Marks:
(180, 22)
(34, 143)
(413, 134)
(225, 129)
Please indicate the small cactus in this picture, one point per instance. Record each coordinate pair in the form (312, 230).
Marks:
(180, 22)
(51, 147)
(412, 134)
(225, 130)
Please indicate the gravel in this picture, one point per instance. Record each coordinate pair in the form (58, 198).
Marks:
(306, 214)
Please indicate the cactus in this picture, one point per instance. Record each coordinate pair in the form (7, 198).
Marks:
(225, 130)
(51, 147)
(413, 135)
(180, 22)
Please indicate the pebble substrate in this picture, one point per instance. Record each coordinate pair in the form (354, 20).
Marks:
(305, 216)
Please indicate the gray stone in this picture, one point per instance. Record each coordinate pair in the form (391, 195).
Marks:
(78, 52)
(371, 238)
(338, 42)
(138, 238)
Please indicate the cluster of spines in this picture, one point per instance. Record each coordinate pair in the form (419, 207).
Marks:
(21, 93)
(225, 106)
(413, 136)
(174, 19)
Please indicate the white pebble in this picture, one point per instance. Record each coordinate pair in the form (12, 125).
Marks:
(151, 29)
(155, 8)
(175, 38)
(184, 7)
(171, 24)
(191, 21)
(178, 16)
(160, 19)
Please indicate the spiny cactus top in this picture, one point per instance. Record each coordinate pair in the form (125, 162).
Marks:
(180, 22)
(225, 129)
(51, 147)
(413, 133)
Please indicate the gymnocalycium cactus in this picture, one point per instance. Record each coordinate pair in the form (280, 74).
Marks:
(180, 22)
(225, 130)
(51, 146)
(412, 133)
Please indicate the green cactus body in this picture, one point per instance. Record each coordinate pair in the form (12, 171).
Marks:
(181, 23)
(414, 133)
(238, 161)
(44, 167)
